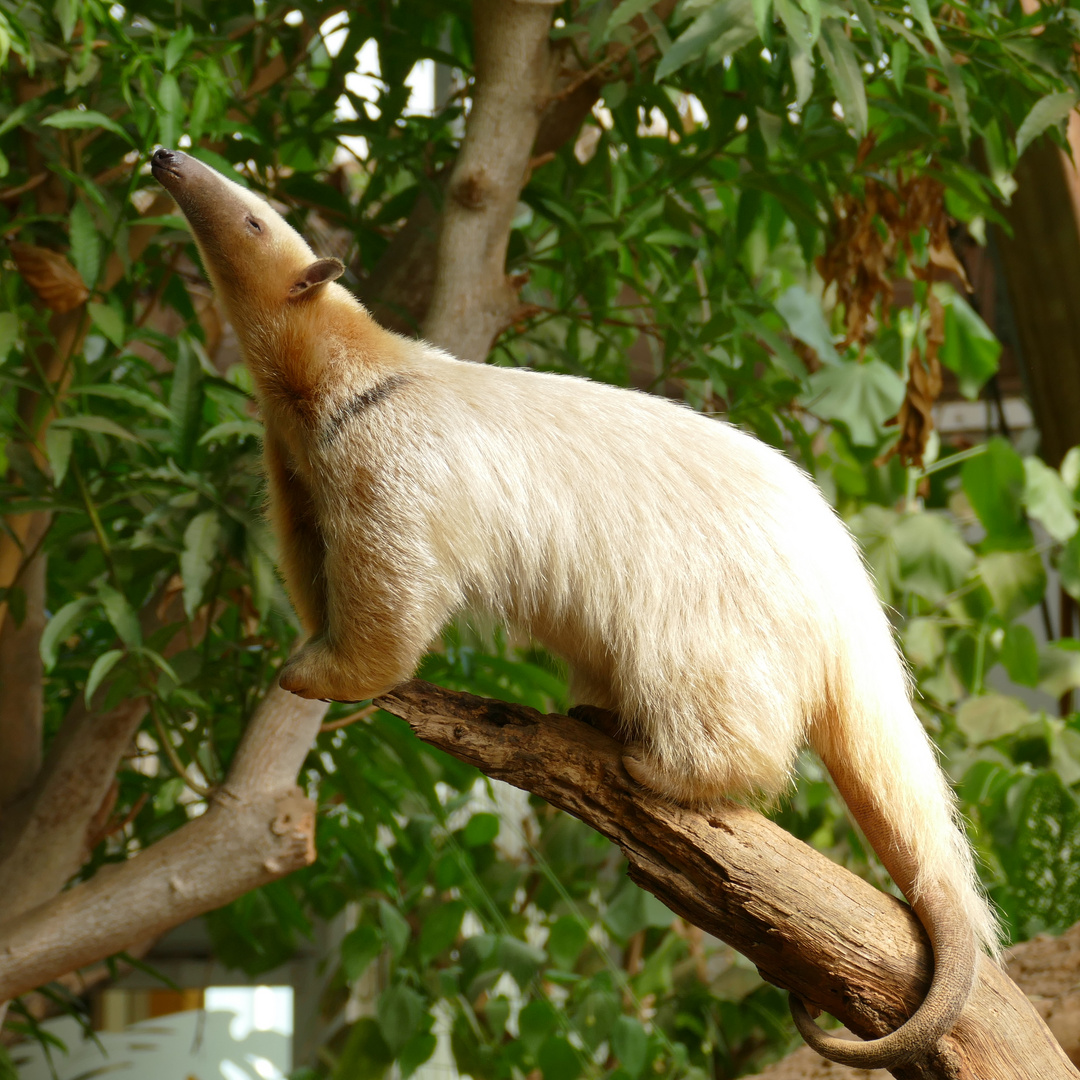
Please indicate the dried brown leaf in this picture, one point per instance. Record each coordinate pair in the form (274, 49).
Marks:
(50, 275)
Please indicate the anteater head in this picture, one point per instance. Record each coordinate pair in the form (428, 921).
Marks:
(256, 261)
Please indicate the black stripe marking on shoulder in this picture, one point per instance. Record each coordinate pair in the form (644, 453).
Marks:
(360, 403)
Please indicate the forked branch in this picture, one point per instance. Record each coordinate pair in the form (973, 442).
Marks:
(259, 827)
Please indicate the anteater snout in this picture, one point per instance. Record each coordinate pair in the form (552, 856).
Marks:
(168, 161)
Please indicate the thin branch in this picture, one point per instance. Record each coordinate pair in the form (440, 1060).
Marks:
(352, 718)
(174, 759)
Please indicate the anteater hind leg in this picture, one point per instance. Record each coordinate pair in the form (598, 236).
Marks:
(716, 765)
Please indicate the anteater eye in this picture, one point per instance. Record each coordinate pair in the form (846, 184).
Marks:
(254, 224)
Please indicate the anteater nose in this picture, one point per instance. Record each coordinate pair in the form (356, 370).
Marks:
(163, 156)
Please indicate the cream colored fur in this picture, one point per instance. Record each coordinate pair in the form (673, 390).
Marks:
(694, 579)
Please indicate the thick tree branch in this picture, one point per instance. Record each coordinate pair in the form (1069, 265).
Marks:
(259, 827)
(808, 924)
(473, 298)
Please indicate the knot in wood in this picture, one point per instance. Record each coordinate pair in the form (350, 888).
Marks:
(472, 191)
(459, 731)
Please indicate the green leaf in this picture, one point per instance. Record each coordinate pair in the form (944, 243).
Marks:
(1042, 861)
(842, 65)
(179, 44)
(1016, 580)
(536, 1022)
(520, 959)
(415, 1052)
(627, 10)
(197, 559)
(67, 15)
(481, 829)
(1059, 669)
(762, 17)
(231, 429)
(395, 928)
(109, 321)
(122, 616)
(670, 238)
(171, 114)
(630, 1043)
(782, 352)
(921, 10)
(101, 424)
(120, 392)
(865, 10)
(1020, 655)
(1048, 500)
(85, 243)
(726, 25)
(813, 14)
(924, 642)
(60, 627)
(970, 347)
(1069, 567)
(994, 484)
(366, 1054)
(1070, 470)
(58, 450)
(596, 1016)
(100, 669)
(440, 929)
(862, 396)
(399, 1011)
(802, 312)
(160, 663)
(66, 119)
(9, 332)
(934, 560)
(17, 117)
(983, 719)
(558, 1060)
(1045, 113)
(185, 403)
(632, 909)
(899, 57)
(799, 46)
(565, 941)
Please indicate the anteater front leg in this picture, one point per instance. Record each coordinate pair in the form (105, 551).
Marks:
(382, 613)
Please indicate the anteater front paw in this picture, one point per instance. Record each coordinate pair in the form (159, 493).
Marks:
(316, 673)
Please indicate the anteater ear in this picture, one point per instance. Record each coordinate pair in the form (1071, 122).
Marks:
(316, 275)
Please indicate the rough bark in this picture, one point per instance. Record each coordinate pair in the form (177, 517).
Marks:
(259, 827)
(473, 299)
(808, 924)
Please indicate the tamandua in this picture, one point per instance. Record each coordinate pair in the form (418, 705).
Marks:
(695, 580)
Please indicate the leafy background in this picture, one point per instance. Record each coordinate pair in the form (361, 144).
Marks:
(706, 236)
